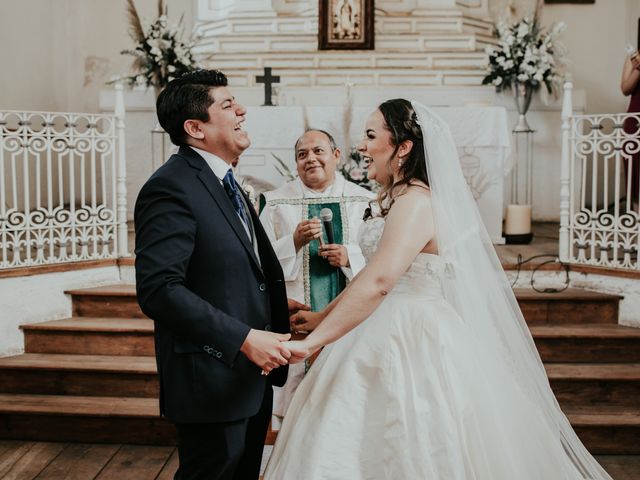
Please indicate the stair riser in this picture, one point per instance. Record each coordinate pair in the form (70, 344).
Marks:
(536, 312)
(48, 382)
(571, 350)
(607, 440)
(106, 306)
(571, 393)
(89, 429)
(541, 312)
(89, 343)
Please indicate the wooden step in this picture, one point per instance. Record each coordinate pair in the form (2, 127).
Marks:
(610, 384)
(109, 301)
(571, 306)
(587, 343)
(91, 336)
(83, 419)
(607, 430)
(87, 375)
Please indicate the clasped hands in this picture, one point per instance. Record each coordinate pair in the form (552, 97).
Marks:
(269, 350)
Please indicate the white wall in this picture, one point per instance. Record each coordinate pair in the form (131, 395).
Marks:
(38, 298)
(595, 38)
(56, 55)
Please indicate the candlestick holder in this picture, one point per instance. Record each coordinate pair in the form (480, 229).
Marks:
(517, 225)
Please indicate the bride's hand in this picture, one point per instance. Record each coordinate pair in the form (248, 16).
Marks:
(299, 350)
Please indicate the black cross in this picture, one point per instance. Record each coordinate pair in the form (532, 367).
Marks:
(268, 80)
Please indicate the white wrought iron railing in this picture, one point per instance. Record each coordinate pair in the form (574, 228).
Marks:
(62, 187)
(599, 213)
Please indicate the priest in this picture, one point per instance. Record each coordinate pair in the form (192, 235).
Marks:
(315, 275)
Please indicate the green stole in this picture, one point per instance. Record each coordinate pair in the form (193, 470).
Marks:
(326, 281)
(322, 282)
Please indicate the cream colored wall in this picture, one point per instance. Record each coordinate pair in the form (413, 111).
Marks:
(596, 37)
(56, 55)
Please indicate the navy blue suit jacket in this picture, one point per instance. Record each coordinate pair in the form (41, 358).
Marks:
(198, 278)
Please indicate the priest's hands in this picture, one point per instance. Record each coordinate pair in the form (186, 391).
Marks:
(266, 349)
(304, 321)
(335, 254)
(295, 306)
(306, 231)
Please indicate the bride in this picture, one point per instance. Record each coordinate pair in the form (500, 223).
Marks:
(428, 370)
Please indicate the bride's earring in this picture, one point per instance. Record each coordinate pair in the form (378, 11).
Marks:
(400, 160)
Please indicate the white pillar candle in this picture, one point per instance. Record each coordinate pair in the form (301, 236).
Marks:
(517, 220)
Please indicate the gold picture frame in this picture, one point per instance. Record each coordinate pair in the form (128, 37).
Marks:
(346, 25)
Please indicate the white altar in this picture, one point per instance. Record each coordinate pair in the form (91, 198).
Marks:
(481, 134)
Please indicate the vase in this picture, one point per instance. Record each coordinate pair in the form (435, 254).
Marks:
(522, 94)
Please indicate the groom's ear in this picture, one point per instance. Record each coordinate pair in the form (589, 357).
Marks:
(405, 148)
(193, 128)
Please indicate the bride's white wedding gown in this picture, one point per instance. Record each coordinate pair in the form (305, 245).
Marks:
(410, 394)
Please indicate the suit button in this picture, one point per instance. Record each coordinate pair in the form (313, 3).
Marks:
(262, 287)
(218, 354)
(267, 327)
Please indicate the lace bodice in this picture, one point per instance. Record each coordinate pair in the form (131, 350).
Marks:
(424, 275)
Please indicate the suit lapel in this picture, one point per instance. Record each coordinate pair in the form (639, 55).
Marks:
(212, 184)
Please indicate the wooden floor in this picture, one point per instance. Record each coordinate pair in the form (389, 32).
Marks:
(76, 461)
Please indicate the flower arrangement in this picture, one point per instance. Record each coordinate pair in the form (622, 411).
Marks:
(525, 55)
(160, 53)
(354, 169)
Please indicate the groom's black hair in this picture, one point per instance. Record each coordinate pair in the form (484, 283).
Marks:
(187, 97)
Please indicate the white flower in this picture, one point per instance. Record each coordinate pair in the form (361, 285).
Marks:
(497, 81)
(356, 174)
(523, 29)
(523, 77)
(141, 80)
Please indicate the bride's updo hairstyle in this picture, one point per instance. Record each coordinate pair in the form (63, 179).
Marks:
(401, 121)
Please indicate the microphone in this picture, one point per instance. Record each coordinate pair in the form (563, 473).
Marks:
(326, 215)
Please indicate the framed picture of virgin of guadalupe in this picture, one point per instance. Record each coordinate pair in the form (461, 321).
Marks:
(346, 25)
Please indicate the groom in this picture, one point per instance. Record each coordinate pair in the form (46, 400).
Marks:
(208, 277)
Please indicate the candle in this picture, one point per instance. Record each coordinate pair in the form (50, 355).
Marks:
(517, 220)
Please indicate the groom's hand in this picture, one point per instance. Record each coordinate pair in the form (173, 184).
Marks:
(266, 349)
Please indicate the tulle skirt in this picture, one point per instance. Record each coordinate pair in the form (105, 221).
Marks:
(409, 394)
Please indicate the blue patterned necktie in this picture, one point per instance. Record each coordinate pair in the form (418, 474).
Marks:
(231, 187)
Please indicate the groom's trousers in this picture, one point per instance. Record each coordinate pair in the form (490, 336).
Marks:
(224, 450)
